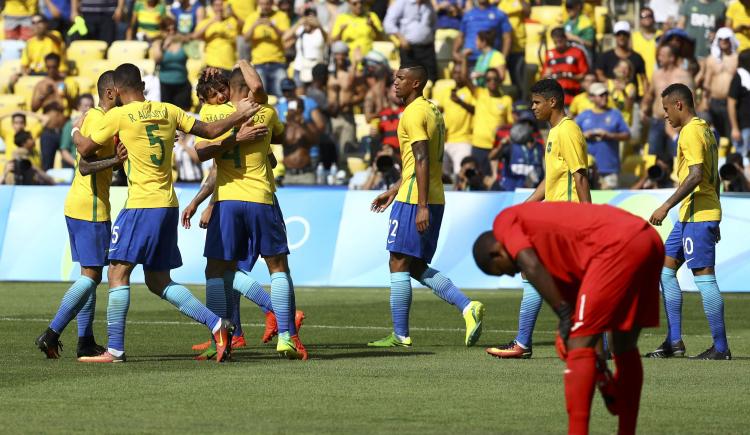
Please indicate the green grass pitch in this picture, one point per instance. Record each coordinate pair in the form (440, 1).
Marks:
(438, 386)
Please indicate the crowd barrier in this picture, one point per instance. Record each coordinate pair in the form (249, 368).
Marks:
(335, 240)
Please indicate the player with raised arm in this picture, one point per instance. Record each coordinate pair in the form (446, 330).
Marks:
(598, 268)
(414, 224)
(145, 231)
(245, 209)
(565, 161)
(87, 213)
(693, 239)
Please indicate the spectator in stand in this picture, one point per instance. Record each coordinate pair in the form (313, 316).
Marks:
(721, 65)
(263, 31)
(68, 149)
(308, 39)
(383, 173)
(582, 101)
(299, 137)
(566, 64)
(327, 11)
(488, 58)
(388, 119)
(738, 103)
(54, 88)
(57, 13)
(168, 51)
(604, 128)
(738, 19)
(492, 110)
(187, 15)
(43, 42)
(607, 61)
(17, 15)
(101, 17)
(19, 124)
(145, 23)
(414, 23)
(732, 174)
(521, 154)
(317, 90)
(482, 17)
(470, 176)
(240, 10)
(449, 13)
(579, 29)
(377, 74)
(644, 40)
(622, 90)
(287, 7)
(358, 28)
(684, 47)
(345, 92)
(311, 114)
(24, 169)
(220, 34)
(186, 162)
(50, 139)
(700, 19)
(457, 104)
(658, 176)
(517, 11)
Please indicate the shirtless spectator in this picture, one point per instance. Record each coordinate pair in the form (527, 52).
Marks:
(54, 88)
(720, 68)
(660, 136)
(299, 137)
(342, 99)
(376, 73)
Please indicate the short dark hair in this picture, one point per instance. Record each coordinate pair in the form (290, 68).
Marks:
(52, 56)
(558, 32)
(21, 137)
(744, 59)
(106, 80)
(18, 115)
(128, 76)
(53, 107)
(487, 36)
(207, 83)
(420, 71)
(549, 88)
(320, 72)
(646, 8)
(482, 250)
(679, 92)
(82, 97)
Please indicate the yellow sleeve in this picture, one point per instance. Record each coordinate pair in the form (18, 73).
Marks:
(277, 127)
(107, 127)
(233, 28)
(202, 24)
(573, 148)
(249, 21)
(337, 25)
(376, 21)
(498, 59)
(508, 110)
(416, 127)
(25, 56)
(183, 121)
(692, 144)
(282, 21)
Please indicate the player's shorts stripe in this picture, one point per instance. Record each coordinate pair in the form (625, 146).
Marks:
(692, 206)
(580, 310)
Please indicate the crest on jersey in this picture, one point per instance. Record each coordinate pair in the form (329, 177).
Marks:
(549, 147)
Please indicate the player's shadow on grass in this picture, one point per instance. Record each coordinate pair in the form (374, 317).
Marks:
(383, 353)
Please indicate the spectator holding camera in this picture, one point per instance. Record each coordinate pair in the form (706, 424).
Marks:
(521, 153)
(659, 175)
(470, 176)
(732, 174)
(264, 30)
(308, 39)
(384, 172)
(24, 168)
(18, 124)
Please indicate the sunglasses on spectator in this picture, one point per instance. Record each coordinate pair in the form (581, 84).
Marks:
(647, 16)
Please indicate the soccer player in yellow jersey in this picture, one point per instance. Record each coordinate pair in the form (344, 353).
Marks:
(145, 231)
(565, 161)
(246, 208)
(88, 221)
(693, 238)
(414, 225)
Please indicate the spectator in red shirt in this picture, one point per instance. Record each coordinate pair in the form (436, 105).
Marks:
(598, 267)
(566, 64)
(388, 118)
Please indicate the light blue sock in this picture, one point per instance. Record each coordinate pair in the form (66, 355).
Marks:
(531, 304)
(117, 311)
(672, 293)
(400, 302)
(180, 297)
(443, 288)
(282, 300)
(713, 306)
(250, 288)
(73, 300)
(85, 317)
(216, 298)
(292, 305)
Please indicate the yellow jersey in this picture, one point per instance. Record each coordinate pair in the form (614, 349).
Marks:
(647, 49)
(88, 197)
(244, 173)
(215, 112)
(149, 18)
(355, 31)
(696, 145)
(740, 15)
(514, 10)
(9, 135)
(241, 8)
(618, 98)
(490, 113)
(458, 121)
(147, 129)
(20, 8)
(580, 104)
(36, 49)
(420, 121)
(266, 46)
(565, 153)
(221, 42)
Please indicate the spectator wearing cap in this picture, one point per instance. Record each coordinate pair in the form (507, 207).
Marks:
(54, 88)
(345, 92)
(264, 30)
(101, 17)
(738, 19)
(579, 29)
(701, 18)
(457, 104)
(520, 151)
(42, 43)
(483, 17)
(644, 40)
(414, 23)
(449, 13)
(607, 61)
(738, 105)
(721, 66)
(220, 35)
(565, 63)
(308, 39)
(358, 28)
(604, 128)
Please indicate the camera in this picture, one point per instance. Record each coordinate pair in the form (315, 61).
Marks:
(384, 163)
(656, 173)
(470, 173)
(21, 172)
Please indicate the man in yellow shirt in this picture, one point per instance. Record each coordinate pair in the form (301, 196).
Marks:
(458, 110)
(517, 11)
(414, 225)
(694, 237)
(220, 34)
(87, 217)
(644, 40)
(17, 17)
(358, 28)
(19, 122)
(738, 19)
(565, 179)
(263, 30)
(145, 231)
(39, 46)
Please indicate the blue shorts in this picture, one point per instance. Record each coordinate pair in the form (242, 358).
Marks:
(241, 230)
(89, 241)
(403, 236)
(147, 236)
(693, 242)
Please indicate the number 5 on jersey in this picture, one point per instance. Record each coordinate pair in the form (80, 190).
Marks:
(155, 140)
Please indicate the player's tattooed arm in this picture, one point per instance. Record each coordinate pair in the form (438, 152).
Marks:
(89, 165)
(208, 150)
(211, 130)
(422, 172)
(693, 179)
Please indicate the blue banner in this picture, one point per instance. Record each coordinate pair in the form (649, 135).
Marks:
(334, 238)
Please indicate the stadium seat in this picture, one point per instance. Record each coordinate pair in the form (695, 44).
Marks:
(386, 48)
(10, 103)
(356, 164)
(85, 84)
(24, 88)
(148, 66)
(601, 21)
(95, 68)
(11, 50)
(127, 51)
(551, 16)
(81, 52)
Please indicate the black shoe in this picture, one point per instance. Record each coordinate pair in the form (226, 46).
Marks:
(87, 347)
(668, 350)
(712, 354)
(49, 343)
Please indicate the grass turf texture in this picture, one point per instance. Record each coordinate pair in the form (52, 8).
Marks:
(438, 386)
